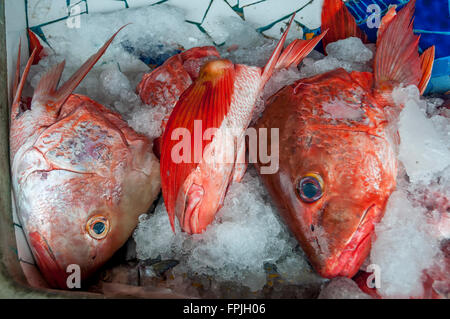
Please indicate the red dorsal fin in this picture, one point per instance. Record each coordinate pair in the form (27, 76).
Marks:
(297, 50)
(17, 75)
(426, 65)
(397, 59)
(49, 82)
(294, 53)
(46, 92)
(208, 100)
(19, 82)
(36, 44)
(340, 22)
(270, 65)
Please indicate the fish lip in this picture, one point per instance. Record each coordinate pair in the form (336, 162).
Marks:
(346, 265)
(360, 242)
(361, 221)
(46, 261)
(189, 215)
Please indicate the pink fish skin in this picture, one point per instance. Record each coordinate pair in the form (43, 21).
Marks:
(81, 176)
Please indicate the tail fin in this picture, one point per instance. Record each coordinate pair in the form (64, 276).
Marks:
(46, 92)
(426, 64)
(397, 59)
(340, 22)
(292, 55)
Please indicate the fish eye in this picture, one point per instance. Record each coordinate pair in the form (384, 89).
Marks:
(310, 188)
(97, 227)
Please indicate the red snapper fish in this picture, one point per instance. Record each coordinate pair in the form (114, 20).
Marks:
(211, 116)
(81, 176)
(337, 158)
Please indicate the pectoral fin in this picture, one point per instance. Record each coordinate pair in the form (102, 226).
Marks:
(204, 105)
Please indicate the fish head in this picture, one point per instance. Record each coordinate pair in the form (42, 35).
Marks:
(76, 242)
(81, 187)
(203, 191)
(85, 234)
(332, 184)
(341, 184)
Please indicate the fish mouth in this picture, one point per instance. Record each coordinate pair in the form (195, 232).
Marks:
(349, 260)
(46, 261)
(189, 216)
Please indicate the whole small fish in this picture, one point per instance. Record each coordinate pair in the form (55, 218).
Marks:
(81, 176)
(195, 178)
(337, 156)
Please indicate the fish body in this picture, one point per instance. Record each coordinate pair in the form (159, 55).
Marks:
(81, 176)
(197, 164)
(337, 148)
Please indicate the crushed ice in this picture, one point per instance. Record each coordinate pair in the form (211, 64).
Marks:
(342, 288)
(416, 221)
(245, 236)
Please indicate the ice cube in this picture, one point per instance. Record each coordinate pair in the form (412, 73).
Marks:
(422, 150)
(342, 288)
(113, 81)
(351, 49)
(403, 248)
